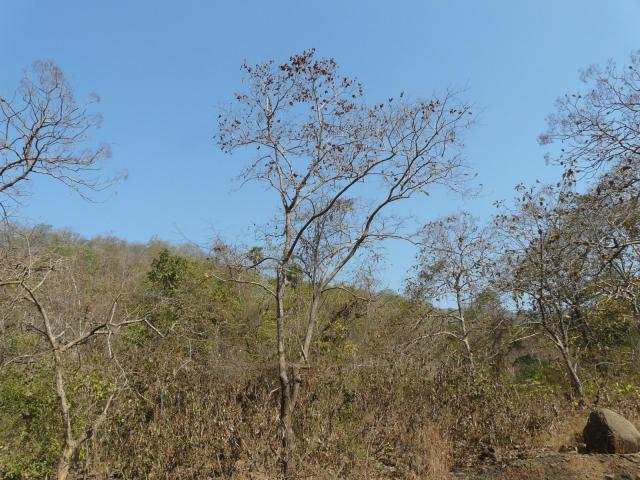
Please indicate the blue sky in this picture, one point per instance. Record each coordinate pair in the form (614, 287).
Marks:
(162, 68)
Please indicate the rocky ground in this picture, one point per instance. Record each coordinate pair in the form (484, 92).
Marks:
(548, 465)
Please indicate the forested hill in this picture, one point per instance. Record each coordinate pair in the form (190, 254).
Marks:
(193, 381)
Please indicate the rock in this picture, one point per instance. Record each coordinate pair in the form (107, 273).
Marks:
(609, 432)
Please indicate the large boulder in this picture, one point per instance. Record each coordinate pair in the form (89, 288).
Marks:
(609, 432)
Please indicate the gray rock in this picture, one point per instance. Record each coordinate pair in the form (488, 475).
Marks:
(609, 432)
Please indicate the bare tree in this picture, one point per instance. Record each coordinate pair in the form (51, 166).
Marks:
(553, 268)
(320, 147)
(56, 303)
(611, 223)
(598, 131)
(45, 131)
(454, 264)
(622, 279)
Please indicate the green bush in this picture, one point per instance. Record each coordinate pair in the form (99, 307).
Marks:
(30, 430)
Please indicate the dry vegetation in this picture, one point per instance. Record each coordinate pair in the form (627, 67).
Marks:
(159, 361)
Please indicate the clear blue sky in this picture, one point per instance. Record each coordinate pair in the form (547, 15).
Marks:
(163, 67)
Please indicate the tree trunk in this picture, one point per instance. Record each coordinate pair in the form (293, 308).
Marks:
(288, 402)
(70, 445)
(311, 324)
(636, 312)
(64, 463)
(572, 370)
(465, 340)
(286, 428)
(463, 328)
(288, 439)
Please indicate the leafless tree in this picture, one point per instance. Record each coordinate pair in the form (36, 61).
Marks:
(611, 223)
(45, 131)
(320, 148)
(553, 268)
(598, 131)
(48, 296)
(623, 280)
(454, 263)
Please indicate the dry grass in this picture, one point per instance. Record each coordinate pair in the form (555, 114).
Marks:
(378, 423)
(565, 431)
(437, 455)
(351, 424)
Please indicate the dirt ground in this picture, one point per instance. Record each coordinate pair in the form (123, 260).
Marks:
(548, 465)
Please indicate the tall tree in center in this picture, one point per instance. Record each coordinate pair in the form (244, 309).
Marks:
(337, 164)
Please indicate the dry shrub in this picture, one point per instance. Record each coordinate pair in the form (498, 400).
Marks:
(565, 431)
(436, 456)
(481, 414)
(361, 424)
(473, 409)
(201, 425)
(377, 422)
